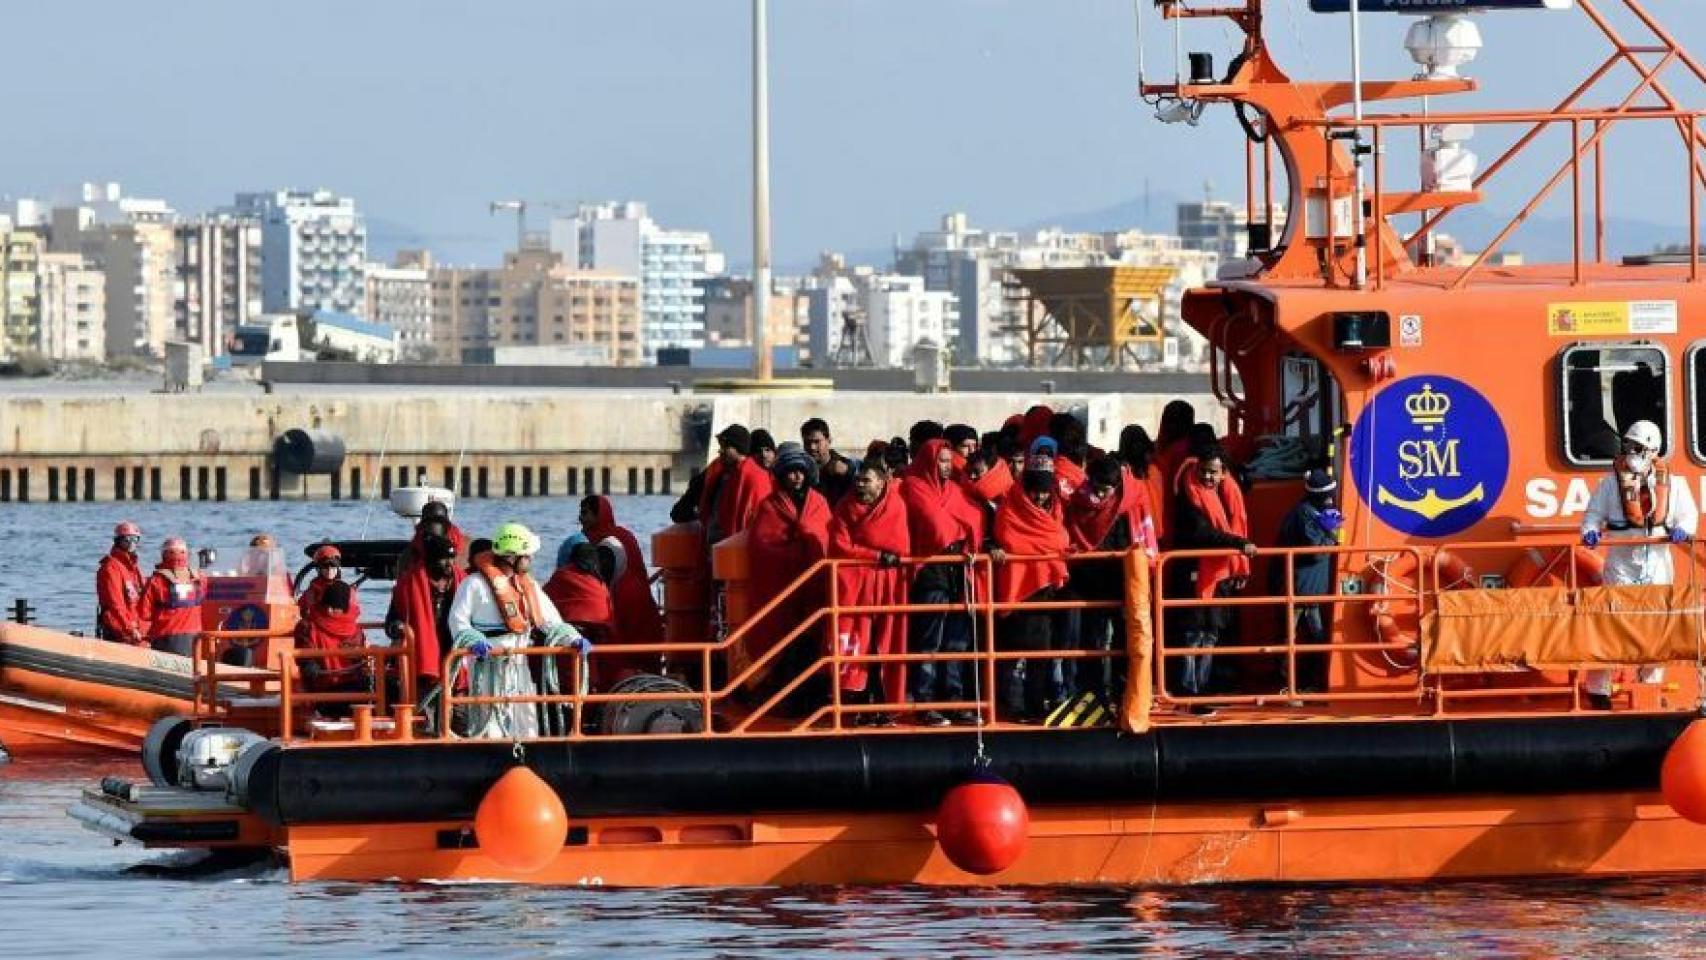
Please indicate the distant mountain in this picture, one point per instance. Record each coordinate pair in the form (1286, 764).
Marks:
(1549, 238)
(1155, 213)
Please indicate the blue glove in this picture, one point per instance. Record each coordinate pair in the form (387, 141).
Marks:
(1330, 520)
(1590, 538)
(1678, 535)
(480, 649)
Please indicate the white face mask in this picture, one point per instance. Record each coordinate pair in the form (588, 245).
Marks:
(1637, 462)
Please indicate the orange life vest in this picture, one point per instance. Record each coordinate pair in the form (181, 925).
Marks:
(513, 593)
(1646, 497)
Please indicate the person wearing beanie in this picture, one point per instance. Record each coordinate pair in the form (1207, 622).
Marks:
(420, 600)
(763, 448)
(1029, 525)
(1314, 522)
(731, 488)
(789, 533)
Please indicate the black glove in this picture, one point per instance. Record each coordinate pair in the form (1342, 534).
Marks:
(888, 559)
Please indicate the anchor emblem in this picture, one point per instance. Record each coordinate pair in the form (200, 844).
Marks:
(1432, 506)
(1442, 462)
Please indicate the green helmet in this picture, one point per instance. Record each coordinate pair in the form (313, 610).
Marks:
(514, 540)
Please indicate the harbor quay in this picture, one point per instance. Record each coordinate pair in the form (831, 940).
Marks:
(356, 442)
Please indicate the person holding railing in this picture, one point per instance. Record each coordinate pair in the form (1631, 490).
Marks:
(420, 599)
(789, 533)
(871, 526)
(1208, 514)
(942, 519)
(333, 622)
(1639, 500)
(1314, 522)
(1029, 527)
(1111, 513)
(503, 608)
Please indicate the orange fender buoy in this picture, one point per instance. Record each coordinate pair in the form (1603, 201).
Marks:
(1682, 778)
(521, 823)
(982, 825)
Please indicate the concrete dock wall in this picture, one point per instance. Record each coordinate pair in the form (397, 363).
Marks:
(482, 443)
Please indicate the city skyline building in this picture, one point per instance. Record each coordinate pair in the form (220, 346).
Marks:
(400, 296)
(73, 302)
(20, 299)
(535, 300)
(671, 266)
(218, 279)
(313, 249)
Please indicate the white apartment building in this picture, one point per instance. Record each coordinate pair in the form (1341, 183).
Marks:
(129, 239)
(671, 265)
(900, 313)
(218, 284)
(400, 297)
(73, 301)
(313, 250)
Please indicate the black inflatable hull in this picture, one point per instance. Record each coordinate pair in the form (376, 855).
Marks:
(420, 782)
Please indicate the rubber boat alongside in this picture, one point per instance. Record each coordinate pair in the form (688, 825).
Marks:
(1452, 737)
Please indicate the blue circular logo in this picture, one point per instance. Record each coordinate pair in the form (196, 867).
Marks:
(1429, 456)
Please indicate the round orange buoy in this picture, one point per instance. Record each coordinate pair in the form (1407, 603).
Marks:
(982, 825)
(1682, 778)
(521, 823)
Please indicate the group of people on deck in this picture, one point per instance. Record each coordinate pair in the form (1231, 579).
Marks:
(1028, 496)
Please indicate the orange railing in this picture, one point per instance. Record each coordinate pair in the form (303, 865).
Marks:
(838, 711)
(215, 681)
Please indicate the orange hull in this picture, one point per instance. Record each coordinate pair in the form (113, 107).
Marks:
(74, 696)
(1177, 844)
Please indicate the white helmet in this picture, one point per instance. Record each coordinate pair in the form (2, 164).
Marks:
(1646, 433)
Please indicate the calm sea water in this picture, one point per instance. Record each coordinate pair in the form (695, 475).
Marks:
(66, 893)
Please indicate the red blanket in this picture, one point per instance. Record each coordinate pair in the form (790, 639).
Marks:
(1025, 529)
(1223, 505)
(636, 616)
(1089, 519)
(583, 600)
(861, 532)
(414, 597)
(938, 512)
(994, 483)
(785, 539)
(737, 497)
(323, 629)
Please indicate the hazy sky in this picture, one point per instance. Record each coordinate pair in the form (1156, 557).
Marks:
(886, 113)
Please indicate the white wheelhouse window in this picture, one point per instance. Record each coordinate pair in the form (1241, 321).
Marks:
(1603, 388)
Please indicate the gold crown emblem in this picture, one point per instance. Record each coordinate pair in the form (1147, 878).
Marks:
(1427, 409)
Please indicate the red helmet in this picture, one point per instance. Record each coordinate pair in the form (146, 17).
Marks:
(328, 553)
(174, 545)
(127, 529)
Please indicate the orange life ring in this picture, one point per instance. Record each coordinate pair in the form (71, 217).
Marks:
(1537, 568)
(1400, 569)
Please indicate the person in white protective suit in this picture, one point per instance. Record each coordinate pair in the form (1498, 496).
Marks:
(501, 607)
(1639, 500)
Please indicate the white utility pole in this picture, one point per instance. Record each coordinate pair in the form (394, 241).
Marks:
(761, 360)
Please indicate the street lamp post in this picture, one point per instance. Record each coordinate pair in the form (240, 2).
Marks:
(761, 360)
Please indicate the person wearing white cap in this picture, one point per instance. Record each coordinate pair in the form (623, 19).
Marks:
(1639, 500)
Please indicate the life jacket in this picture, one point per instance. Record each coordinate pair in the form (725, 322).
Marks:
(513, 594)
(182, 594)
(1646, 497)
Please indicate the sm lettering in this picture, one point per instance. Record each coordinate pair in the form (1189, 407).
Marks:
(1428, 458)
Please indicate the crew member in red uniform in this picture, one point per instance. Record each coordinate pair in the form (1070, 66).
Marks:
(171, 602)
(118, 589)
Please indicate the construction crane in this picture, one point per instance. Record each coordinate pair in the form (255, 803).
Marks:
(520, 208)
